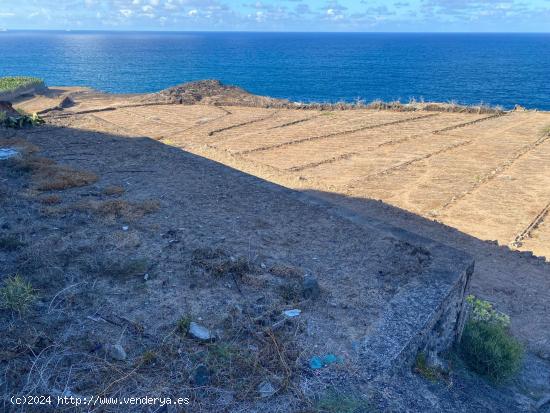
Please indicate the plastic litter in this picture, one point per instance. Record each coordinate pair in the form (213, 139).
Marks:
(292, 313)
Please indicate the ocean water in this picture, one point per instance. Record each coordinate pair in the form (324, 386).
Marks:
(497, 69)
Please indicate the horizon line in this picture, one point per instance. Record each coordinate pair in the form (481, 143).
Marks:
(4, 30)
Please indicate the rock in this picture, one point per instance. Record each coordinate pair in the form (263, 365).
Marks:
(8, 110)
(266, 389)
(310, 287)
(116, 352)
(199, 332)
(201, 376)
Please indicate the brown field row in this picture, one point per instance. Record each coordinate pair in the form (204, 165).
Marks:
(486, 175)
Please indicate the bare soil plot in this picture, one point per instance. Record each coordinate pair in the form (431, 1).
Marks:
(131, 240)
(484, 174)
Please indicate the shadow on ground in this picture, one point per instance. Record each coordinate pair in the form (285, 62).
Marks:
(516, 282)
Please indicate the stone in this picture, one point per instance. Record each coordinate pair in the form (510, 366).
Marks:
(116, 352)
(266, 389)
(310, 287)
(199, 332)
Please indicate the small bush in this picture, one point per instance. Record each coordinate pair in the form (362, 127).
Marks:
(481, 310)
(10, 84)
(487, 346)
(20, 121)
(17, 295)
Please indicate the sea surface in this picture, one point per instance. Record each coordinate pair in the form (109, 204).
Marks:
(497, 69)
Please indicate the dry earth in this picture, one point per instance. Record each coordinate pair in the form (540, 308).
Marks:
(486, 175)
(462, 178)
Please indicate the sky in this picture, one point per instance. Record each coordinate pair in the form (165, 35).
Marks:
(279, 15)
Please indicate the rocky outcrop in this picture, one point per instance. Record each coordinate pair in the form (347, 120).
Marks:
(209, 92)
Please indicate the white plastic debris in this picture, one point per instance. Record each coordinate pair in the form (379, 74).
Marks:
(7, 153)
(292, 313)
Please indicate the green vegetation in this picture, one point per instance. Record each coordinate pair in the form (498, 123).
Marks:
(20, 121)
(17, 295)
(487, 346)
(183, 324)
(11, 84)
(334, 402)
(421, 367)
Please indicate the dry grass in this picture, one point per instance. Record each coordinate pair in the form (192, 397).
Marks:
(113, 190)
(48, 176)
(120, 208)
(50, 200)
(59, 178)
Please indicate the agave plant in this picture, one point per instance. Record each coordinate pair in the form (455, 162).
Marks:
(18, 122)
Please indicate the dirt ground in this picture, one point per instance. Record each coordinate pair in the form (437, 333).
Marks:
(485, 175)
(461, 178)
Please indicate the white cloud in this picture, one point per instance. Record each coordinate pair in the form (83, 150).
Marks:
(126, 12)
(192, 13)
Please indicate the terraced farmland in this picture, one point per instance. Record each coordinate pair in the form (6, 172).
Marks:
(486, 175)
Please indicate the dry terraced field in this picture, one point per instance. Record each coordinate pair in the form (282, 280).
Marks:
(486, 175)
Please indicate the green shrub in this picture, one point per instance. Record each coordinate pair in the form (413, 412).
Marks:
(17, 295)
(481, 310)
(10, 84)
(21, 121)
(487, 347)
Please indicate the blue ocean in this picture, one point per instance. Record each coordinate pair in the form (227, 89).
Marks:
(497, 69)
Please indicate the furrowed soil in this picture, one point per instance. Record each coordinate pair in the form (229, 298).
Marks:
(479, 182)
